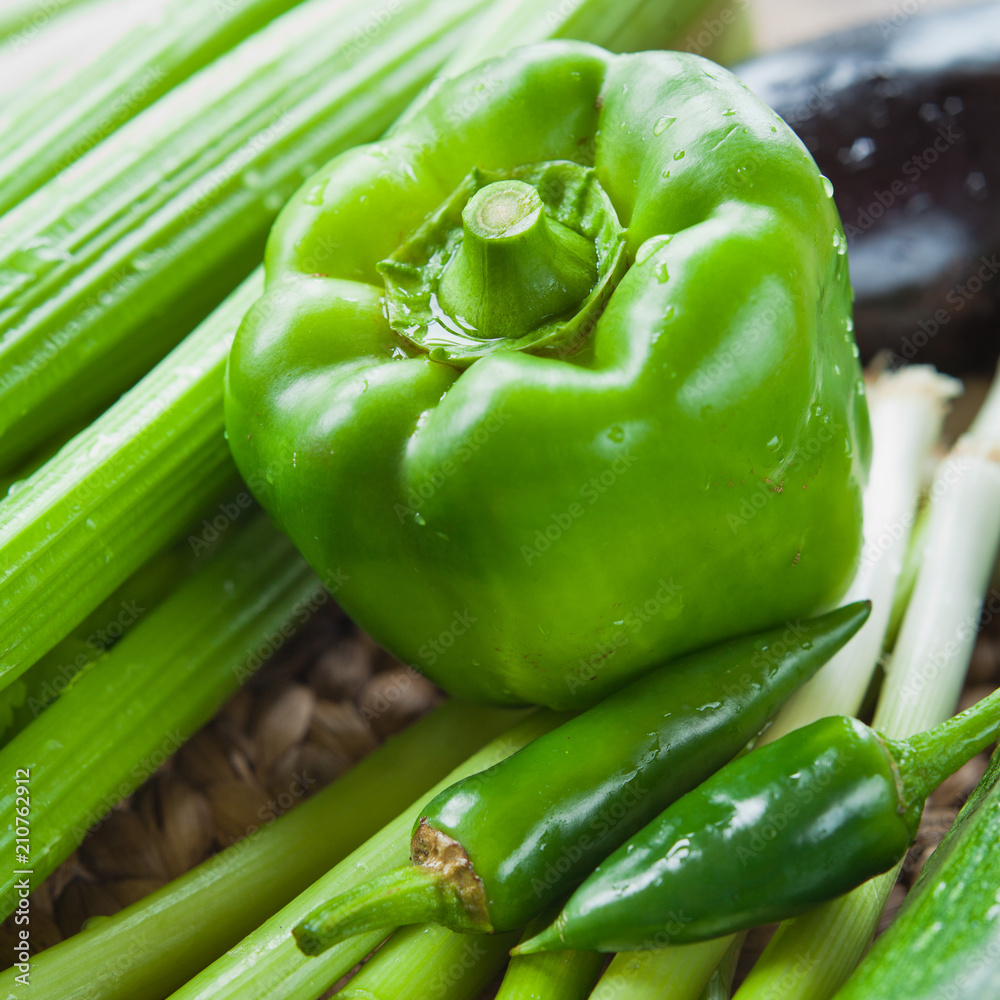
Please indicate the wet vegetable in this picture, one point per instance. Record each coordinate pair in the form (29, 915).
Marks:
(549, 388)
(901, 116)
(771, 835)
(494, 850)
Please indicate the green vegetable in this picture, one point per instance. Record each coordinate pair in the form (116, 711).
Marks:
(28, 17)
(558, 975)
(927, 669)
(683, 972)
(152, 947)
(28, 696)
(107, 266)
(421, 962)
(708, 429)
(45, 134)
(156, 460)
(945, 941)
(493, 851)
(124, 717)
(267, 964)
(118, 492)
(771, 835)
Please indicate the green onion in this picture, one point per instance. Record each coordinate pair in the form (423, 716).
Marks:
(554, 975)
(104, 268)
(425, 960)
(268, 963)
(923, 682)
(907, 409)
(127, 714)
(120, 490)
(158, 943)
(43, 136)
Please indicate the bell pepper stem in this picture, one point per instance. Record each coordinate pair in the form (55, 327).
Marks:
(516, 267)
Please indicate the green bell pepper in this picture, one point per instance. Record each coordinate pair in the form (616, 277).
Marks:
(558, 379)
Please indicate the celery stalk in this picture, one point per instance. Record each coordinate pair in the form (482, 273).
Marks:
(922, 685)
(267, 963)
(126, 715)
(44, 134)
(425, 960)
(104, 268)
(27, 697)
(119, 491)
(154, 946)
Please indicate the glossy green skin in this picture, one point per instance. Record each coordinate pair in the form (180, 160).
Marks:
(536, 824)
(945, 941)
(697, 467)
(768, 837)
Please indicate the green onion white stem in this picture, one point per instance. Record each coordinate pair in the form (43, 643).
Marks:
(169, 676)
(158, 943)
(907, 409)
(924, 680)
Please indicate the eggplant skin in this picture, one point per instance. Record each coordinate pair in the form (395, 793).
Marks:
(902, 116)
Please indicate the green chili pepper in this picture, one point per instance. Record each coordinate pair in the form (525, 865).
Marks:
(493, 850)
(558, 379)
(769, 836)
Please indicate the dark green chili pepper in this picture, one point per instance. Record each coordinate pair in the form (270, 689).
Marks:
(771, 835)
(495, 849)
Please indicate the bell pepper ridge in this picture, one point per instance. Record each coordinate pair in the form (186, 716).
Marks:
(450, 469)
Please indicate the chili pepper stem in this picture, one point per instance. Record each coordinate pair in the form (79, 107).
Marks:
(927, 758)
(407, 895)
(550, 939)
(441, 887)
